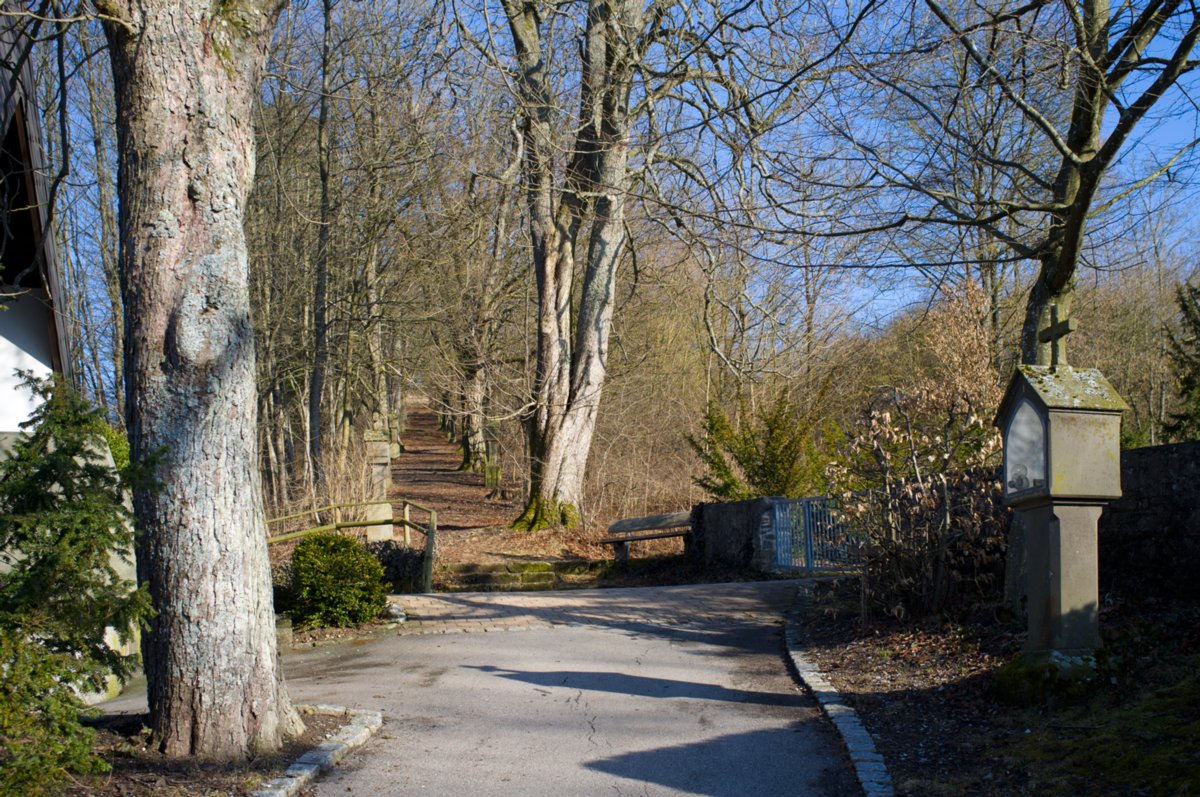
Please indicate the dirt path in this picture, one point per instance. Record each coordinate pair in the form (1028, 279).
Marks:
(427, 473)
(471, 527)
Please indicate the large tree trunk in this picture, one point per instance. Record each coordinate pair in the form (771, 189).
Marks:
(108, 234)
(573, 352)
(1086, 155)
(474, 394)
(397, 409)
(186, 75)
(1074, 188)
(373, 313)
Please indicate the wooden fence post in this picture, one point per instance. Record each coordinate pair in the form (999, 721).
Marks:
(430, 548)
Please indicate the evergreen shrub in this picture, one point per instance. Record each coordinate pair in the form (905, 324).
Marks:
(42, 742)
(64, 525)
(770, 451)
(335, 581)
(402, 564)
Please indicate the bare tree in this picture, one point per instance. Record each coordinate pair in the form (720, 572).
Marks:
(1034, 105)
(1126, 308)
(186, 76)
(347, 196)
(572, 342)
(321, 277)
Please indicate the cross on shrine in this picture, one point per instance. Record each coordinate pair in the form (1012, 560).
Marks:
(1054, 335)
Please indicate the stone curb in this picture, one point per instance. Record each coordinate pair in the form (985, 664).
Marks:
(362, 726)
(868, 764)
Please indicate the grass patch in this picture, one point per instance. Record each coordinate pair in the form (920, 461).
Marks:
(1147, 743)
(1138, 729)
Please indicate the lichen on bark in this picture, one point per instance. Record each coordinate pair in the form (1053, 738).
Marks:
(186, 145)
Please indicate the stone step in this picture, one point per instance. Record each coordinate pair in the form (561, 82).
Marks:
(490, 587)
(497, 568)
(500, 579)
(516, 576)
(562, 566)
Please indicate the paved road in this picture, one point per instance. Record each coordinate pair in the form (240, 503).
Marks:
(653, 692)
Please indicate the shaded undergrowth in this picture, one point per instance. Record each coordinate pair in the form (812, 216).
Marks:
(926, 692)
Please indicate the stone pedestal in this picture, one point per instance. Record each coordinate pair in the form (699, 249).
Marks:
(1064, 577)
(379, 460)
(1062, 429)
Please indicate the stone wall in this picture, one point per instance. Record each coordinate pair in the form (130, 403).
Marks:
(1150, 538)
(734, 535)
(727, 535)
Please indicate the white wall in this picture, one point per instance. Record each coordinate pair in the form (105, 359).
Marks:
(24, 344)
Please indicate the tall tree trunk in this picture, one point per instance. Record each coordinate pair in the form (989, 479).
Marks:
(186, 75)
(343, 405)
(474, 394)
(381, 411)
(282, 430)
(573, 352)
(321, 278)
(108, 233)
(396, 405)
(380, 420)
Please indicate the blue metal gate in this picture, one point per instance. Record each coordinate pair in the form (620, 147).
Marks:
(810, 534)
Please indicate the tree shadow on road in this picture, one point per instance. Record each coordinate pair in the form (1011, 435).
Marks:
(641, 686)
(765, 762)
(733, 618)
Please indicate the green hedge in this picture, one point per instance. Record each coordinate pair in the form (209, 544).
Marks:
(335, 581)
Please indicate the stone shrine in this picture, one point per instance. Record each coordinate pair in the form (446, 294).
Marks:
(1062, 463)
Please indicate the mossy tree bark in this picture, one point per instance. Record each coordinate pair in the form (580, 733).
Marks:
(474, 396)
(186, 75)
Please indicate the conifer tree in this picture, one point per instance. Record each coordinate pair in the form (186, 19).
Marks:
(63, 519)
(772, 452)
(1184, 350)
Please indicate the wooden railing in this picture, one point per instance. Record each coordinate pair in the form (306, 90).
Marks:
(405, 521)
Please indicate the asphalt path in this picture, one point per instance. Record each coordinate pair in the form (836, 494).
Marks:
(654, 692)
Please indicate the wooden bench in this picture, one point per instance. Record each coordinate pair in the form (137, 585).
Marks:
(676, 524)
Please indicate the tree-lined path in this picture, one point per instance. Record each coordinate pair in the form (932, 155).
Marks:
(666, 691)
(649, 691)
(427, 473)
(472, 528)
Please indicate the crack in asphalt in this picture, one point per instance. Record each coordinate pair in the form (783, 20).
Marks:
(591, 721)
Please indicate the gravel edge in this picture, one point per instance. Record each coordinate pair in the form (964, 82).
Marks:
(868, 763)
(363, 724)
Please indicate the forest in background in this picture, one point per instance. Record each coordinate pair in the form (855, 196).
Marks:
(808, 236)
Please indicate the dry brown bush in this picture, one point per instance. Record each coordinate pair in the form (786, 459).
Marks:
(919, 479)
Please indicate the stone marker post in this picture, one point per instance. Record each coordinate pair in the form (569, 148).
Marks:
(396, 432)
(379, 460)
(491, 457)
(1062, 463)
